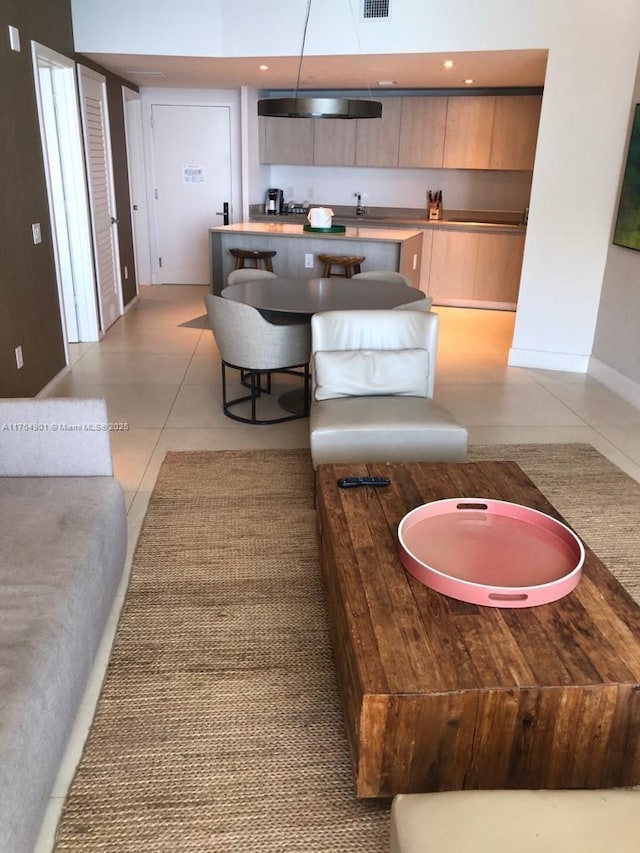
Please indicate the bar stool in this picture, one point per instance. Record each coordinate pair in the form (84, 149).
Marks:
(349, 263)
(252, 257)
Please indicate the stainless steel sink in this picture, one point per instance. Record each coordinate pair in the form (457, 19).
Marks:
(364, 218)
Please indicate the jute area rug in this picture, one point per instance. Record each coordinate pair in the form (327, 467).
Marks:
(219, 726)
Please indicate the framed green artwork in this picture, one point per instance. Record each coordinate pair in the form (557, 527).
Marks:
(627, 230)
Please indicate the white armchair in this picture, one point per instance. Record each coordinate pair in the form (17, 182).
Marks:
(373, 381)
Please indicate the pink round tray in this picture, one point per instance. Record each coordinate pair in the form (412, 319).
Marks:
(489, 552)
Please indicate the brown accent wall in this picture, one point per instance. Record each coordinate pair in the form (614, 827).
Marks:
(29, 306)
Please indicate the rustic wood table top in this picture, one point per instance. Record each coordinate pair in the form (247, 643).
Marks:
(558, 682)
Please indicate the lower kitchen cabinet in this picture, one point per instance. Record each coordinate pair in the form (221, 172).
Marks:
(475, 269)
(453, 265)
(498, 267)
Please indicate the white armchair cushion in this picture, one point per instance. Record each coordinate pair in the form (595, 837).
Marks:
(364, 372)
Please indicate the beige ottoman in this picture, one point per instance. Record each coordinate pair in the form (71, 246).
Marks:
(602, 821)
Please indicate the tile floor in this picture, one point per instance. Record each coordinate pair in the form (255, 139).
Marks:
(158, 370)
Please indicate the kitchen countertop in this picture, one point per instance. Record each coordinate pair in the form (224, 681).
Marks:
(377, 218)
(285, 227)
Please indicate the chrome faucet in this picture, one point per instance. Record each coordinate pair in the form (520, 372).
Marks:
(360, 209)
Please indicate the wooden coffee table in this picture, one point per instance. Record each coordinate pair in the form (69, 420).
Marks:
(442, 695)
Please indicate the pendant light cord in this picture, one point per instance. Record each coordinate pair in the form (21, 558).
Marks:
(304, 38)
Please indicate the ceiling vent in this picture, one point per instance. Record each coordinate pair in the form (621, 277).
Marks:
(375, 9)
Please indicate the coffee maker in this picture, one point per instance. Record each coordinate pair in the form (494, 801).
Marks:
(274, 201)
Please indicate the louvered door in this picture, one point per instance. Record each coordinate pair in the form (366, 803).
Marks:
(95, 123)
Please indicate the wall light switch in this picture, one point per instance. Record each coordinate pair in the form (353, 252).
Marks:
(14, 38)
(37, 233)
(308, 261)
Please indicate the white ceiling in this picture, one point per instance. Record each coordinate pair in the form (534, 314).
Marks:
(408, 71)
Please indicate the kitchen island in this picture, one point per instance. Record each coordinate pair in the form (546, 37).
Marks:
(384, 249)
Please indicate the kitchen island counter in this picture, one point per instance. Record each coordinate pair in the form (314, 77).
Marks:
(398, 249)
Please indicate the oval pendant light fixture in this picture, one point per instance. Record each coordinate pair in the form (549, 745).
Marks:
(310, 107)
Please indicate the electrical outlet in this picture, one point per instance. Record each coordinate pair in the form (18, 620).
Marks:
(309, 193)
(308, 261)
(289, 193)
(19, 358)
(37, 233)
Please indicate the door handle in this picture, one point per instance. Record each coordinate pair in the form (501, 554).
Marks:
(224, 212)
(114, 221)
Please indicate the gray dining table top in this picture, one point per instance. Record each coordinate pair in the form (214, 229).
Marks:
(310, 295)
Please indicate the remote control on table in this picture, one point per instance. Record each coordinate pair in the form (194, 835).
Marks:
(352, 482)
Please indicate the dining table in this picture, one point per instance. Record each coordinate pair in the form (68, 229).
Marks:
(303, 297)
(282, 299)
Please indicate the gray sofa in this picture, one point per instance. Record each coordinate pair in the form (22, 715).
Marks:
(62, 554)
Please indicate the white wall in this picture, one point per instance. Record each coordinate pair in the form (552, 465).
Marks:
(616, 349)
(593, 54)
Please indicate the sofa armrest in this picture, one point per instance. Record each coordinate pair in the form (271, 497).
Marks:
(56, 437)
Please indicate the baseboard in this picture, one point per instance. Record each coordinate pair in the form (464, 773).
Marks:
(548, 360)
(48, 388)
(624, 387)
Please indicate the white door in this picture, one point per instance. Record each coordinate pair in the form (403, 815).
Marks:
(95, 122)
(57, 99)
(192, 181)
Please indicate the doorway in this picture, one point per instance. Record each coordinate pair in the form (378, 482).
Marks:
(136, 171)
(61, 135)
(191, 156)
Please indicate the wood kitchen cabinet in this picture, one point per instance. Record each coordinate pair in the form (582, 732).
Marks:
(498, 268)
(422, 127)
(377, 140)
(287, 141)
(431, 132)
(515, 132)
(469, 126)
(334, 142)
(453, 265)
(471, 267)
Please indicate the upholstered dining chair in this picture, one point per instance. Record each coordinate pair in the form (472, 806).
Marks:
(247, 274)
(372, 389)
(256, 348)
(384, 275)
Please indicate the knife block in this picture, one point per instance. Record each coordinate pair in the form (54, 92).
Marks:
(435, 210)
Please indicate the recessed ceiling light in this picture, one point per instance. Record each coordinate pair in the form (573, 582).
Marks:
(448, 63)
(469, 81)
(386, 82)
(264, 67)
